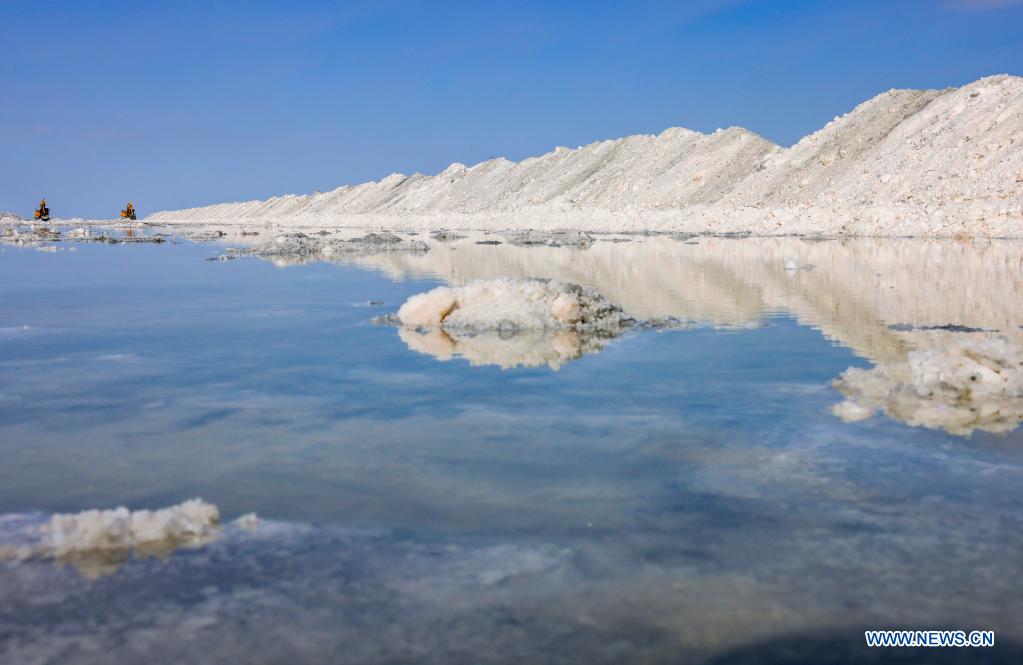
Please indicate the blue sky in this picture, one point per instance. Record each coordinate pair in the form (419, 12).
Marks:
(176, 104)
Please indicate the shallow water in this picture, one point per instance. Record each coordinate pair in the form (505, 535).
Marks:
(682, 495)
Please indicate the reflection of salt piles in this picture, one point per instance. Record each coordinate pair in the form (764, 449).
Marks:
(855, 291)
(507, 322)
(960, 385)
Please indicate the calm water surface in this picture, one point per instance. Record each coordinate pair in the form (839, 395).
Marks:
(672, 496)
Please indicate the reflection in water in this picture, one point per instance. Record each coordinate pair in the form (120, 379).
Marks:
(674, 498)
(957, 383)
(294, 593)
(857, 290)
(873, 296)
(522, 348)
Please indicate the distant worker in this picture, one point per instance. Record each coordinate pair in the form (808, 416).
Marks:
(43, 214)
(128, 212)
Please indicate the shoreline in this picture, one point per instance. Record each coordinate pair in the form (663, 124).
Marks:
(895, 221)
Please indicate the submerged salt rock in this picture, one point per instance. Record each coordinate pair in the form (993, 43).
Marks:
(961, 385)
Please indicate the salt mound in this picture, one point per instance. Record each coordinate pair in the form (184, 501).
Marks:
(907, 162)
(510, 305)
(674, 168)
(959, 386)
(123, 529)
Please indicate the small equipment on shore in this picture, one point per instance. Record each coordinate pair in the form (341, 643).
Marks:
(43, 214)
(128, 212)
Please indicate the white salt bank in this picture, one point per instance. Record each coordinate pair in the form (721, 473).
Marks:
(936, 163)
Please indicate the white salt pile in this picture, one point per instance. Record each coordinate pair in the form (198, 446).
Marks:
(960, 385)
(510, 322)
(907, 162)
(510, 305)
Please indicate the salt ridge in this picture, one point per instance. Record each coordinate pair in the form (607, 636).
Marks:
(907, 162)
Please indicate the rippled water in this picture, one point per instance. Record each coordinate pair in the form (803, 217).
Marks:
(683, 495)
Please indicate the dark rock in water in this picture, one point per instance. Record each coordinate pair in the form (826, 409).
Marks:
(948, 327)
(119, 240)
(507, 329)
(661, 323)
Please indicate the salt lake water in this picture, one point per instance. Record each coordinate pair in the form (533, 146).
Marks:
(674, 495)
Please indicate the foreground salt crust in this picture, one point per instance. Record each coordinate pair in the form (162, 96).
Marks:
(98, 542)
(121, 529)
(960, 385)
(907, 162)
